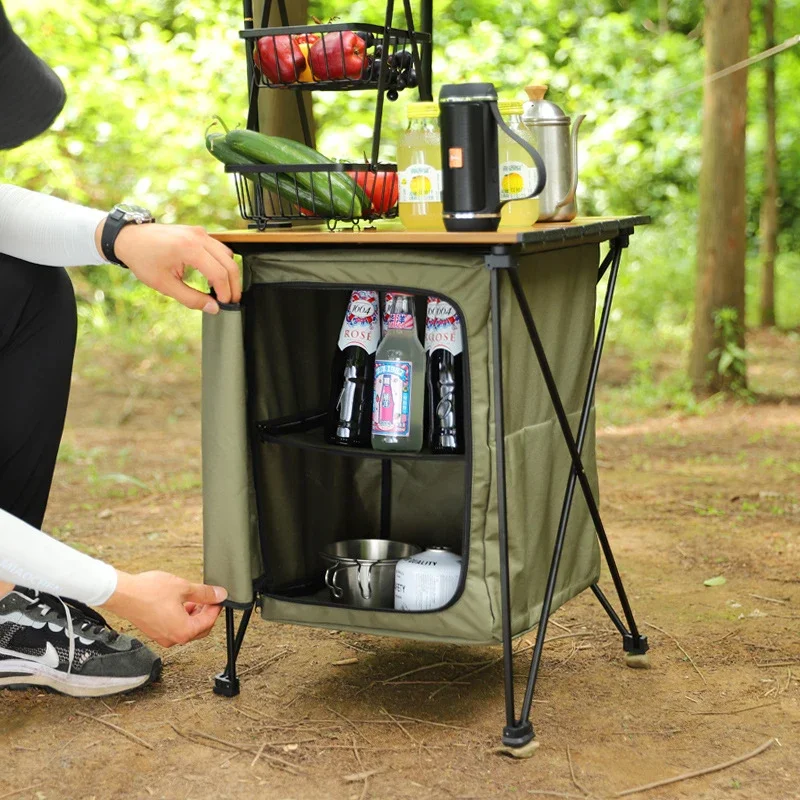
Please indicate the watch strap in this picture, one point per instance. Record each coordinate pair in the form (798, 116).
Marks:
(113, 225)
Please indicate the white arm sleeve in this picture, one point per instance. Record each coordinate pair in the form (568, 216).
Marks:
(46, 230)
(35, 560)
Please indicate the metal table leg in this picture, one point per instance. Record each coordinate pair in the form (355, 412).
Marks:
(226, 683)
(519, 731)
(515, 733)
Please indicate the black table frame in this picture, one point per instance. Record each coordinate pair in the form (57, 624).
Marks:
(518, 731)
(503, 261)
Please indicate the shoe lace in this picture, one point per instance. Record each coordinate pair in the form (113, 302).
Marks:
(76, 615)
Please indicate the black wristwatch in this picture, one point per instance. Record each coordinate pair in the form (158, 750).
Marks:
(120, 216)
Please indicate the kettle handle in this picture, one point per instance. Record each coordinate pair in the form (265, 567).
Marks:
(573, 183)
(531, 150)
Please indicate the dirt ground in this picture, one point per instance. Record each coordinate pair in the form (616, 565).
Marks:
(684, 499)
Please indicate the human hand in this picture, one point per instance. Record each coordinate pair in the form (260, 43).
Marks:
(168, 609)
(158, 256)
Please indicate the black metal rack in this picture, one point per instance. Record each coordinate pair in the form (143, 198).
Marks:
(383, 70)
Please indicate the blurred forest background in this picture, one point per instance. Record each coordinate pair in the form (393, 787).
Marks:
(144, 77)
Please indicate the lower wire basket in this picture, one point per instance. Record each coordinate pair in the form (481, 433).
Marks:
(270, 194)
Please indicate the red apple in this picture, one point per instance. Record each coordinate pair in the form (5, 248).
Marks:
(337, 55)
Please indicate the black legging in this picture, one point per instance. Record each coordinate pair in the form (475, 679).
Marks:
(38, 323)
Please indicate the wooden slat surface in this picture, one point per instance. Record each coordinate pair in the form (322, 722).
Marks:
(392, 233)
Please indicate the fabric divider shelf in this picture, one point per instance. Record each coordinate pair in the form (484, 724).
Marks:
(313, 439)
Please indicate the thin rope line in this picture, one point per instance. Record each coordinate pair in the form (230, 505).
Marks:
(772, 51)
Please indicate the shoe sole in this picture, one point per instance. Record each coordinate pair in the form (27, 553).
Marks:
(29, 675)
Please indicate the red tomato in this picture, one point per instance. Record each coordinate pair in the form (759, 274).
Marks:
(380, 187)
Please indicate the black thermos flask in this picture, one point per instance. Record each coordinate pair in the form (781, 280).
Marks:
(469, 119)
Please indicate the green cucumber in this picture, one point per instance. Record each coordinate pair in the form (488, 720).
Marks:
(347, 198)
(282, 184)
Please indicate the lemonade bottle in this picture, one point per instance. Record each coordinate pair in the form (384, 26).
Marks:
(517, 170)
(419, 164)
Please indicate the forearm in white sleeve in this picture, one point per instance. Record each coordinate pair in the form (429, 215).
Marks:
(46, 230)
(35, 560)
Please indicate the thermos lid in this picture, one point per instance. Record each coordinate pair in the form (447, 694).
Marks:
(542, 111)
(422, 110)
(467, 92)
(509, 108)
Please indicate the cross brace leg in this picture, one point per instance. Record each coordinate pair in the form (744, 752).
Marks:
(226, 683)
(519, 731)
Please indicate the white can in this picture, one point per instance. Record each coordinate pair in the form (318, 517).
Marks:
(427, 580)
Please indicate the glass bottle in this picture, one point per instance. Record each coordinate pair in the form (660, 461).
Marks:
(387, 307)
(352, 373)
(444, 378)
(397, 405)
(419, 167)
(517, 170)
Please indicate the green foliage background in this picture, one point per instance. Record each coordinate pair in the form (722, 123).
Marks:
(144, 78)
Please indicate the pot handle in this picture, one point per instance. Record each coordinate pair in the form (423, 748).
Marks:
(330, 580)
(573, 183)
(365, 579)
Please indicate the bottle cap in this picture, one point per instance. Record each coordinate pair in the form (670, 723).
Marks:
(509, 108)
(422, 110)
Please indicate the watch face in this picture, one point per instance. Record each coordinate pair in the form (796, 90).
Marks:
(131, 213)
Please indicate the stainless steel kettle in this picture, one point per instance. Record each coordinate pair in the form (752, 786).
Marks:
(558, 145)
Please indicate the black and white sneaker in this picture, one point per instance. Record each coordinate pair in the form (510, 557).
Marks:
(51, 643)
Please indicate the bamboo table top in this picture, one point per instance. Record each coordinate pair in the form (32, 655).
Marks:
(542, 236)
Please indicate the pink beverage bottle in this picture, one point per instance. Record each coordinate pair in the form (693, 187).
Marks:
(386, 417)
(397, 409)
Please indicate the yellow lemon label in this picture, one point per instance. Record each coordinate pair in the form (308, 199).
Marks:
(513, 183)
(420, 183)
(515, 180)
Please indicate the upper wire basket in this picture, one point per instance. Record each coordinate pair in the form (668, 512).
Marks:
(338, 56)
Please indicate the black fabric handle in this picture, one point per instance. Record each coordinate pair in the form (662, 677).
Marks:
(224, 306)
(532, 151)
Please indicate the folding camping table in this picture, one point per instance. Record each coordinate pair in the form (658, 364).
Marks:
(275, 492)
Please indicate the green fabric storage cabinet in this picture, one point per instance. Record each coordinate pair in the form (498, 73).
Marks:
(275, 493)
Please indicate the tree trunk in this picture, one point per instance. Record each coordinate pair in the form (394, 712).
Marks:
(278, 112)
(278, 109)
(721, 222)
(769, 203)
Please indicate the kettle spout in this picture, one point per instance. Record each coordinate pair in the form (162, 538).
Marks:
(573, 181)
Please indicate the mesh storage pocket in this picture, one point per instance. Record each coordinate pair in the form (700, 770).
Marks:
(537, 472)
(311, 493)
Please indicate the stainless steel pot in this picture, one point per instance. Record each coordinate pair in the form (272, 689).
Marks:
(558, 145)
(361, 571)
